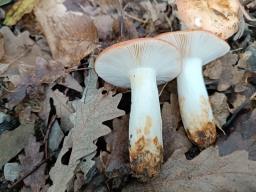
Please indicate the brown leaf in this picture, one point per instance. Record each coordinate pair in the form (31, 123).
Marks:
(104, 24)
(21, 66)
(70, 33)
(116, 160)
(20, 54)
(225, 71)
(174, 137)
(207, 172)
(12, 142)
(63, 108)
(243, 136)
(47, 71)
(28, 161)
(219, 108)
(88, 126)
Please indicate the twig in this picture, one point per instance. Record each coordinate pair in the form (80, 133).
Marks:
(136, 18)
(162, 89)
(29, 173)
(121, 19)
(46, 138)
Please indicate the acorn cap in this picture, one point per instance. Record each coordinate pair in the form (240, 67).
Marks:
(115, 63)
(197, 44)
(220, 17)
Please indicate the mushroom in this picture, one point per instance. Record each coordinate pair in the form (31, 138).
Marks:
(197, 49)
(142, 64)
(220, 17)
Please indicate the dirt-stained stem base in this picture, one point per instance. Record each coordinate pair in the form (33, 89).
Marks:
(145, 125)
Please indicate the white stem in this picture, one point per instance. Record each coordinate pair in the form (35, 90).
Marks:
(145, 126)
(194, 103)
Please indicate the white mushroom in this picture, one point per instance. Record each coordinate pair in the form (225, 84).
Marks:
(142, 64)
(197, 49)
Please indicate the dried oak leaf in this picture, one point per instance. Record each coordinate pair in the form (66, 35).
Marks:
(248, 58)
(12, 142)
(242, 137)
(62, 105)
(70, 33)
(174, 137)
(220, 108)
(29, 161)
(88, 126)
(208, 172)
(20, 55)
(25, 65)
(225, 70)
(115, 161)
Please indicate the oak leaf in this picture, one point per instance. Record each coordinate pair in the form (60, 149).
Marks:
(208, 172)
(70, 33)
(88, 126)
(29, 161)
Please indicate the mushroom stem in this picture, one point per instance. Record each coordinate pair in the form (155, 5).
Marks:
(196, 112)
(145, 126)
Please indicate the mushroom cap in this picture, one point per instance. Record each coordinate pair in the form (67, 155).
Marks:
(115, 63)
(221, 17)
(197, 44)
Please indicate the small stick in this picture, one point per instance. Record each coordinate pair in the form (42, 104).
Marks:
(162, 89)
(46, 138)
(29, 173)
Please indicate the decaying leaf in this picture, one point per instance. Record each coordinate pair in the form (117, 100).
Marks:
(208, 172)
(20, 54)
(174, 137)
(88, 126)
(115, 162)
(12, 142)
(32, 158)
(63, 108)
(243, 136)
(22, 66)
(20, 8)
(225, 71)
(70, 33)
(219, 108)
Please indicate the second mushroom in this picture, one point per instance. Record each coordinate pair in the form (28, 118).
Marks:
(197, 49)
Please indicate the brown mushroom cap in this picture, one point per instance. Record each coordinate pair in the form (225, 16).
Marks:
(220, 17)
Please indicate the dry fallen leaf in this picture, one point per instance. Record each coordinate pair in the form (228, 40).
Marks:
(208, 172)
(29, 161)
(62, 105)
(116, 160)
(22, 66)
(225, 71)
(174, 137)
(70, 33)
(243, 136)
(219, 107)
(20, 55)
(88, 126)
(12, 142)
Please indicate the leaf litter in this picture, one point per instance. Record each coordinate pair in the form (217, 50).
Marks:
(91, 148)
